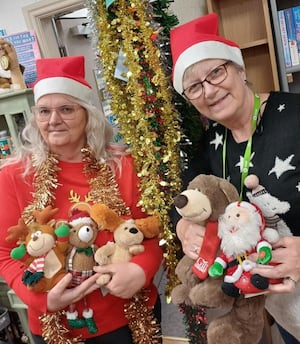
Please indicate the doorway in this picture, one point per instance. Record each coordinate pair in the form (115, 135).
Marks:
(53, 28)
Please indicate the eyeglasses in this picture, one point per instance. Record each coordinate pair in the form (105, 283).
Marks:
(67, 111)
(215, 77)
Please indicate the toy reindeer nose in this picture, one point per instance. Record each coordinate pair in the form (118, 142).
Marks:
(180, 201)
(133, 230)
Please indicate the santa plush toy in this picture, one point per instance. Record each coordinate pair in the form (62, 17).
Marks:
(242, 232)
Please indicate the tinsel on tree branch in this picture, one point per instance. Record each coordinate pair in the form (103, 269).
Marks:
(143, 107)
(162, 129)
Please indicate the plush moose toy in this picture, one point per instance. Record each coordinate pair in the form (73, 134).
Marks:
(42, 249)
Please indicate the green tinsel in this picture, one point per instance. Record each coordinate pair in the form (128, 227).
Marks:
(195, 320)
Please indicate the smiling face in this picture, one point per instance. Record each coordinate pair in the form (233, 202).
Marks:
(223, 102)
(62, 135)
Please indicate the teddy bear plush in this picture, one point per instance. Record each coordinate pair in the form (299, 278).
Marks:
(42, 248)
(242, 319)
(203, 202)
(127, 243)
(128, 237)
(80, 262)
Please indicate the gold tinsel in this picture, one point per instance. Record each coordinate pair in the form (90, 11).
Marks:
(141, 320)
(44, 185)
(144, 110)
(54, 332)
(103, 189)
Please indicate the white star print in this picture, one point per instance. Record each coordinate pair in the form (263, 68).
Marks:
(282, 166)
(217, 141)
(281, 107)
(241, 163)
(298, 186)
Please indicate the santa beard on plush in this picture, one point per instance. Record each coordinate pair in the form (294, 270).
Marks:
(239, 230)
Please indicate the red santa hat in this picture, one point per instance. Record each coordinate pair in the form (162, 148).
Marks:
(62, 75)
(80, 217)
(199, 40)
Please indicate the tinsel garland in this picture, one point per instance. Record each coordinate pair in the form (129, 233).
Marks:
(144, 109)
(44, 184)
(103, 189)
(54, 332)
(194, 318)
(141, 321)
(148, 121)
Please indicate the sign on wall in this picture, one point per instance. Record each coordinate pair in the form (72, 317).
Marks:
(28, 51)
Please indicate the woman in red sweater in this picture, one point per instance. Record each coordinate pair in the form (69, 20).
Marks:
(65, 153)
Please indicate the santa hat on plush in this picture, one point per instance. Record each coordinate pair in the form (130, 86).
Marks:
(199, 40)
(253, 209)
(80, 217)
(62, 75)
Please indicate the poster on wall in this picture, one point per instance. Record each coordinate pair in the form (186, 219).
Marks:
(28, 51)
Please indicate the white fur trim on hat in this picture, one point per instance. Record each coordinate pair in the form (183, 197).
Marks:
(62, 85)
(81, 221)
(202, 51)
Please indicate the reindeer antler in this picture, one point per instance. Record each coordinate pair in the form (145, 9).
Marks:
(18, 232)
(45, 215)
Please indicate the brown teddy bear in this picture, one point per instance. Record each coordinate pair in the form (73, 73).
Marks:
(42, 249)
(80, 262)
(203, 202)
(128, 237)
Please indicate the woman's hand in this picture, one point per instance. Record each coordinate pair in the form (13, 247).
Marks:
(127, 278)
(191, 236)
(61, 296)
(286, 257)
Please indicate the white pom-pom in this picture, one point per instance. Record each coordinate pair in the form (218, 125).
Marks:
(251, 181)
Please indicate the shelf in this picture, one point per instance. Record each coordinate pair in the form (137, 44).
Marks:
(247, 22)
(293, 69)
(237, 19)
(15, 111)
(254, 43)
(285, 78)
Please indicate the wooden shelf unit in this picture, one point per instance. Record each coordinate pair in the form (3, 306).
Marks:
(289, 77)
(247, 22)
(15, 111)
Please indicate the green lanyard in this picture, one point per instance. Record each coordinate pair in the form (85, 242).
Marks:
(247, 154)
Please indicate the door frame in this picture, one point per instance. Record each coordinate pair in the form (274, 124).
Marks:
(38, 17)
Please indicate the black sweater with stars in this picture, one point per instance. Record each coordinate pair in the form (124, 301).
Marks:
(275, 156)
